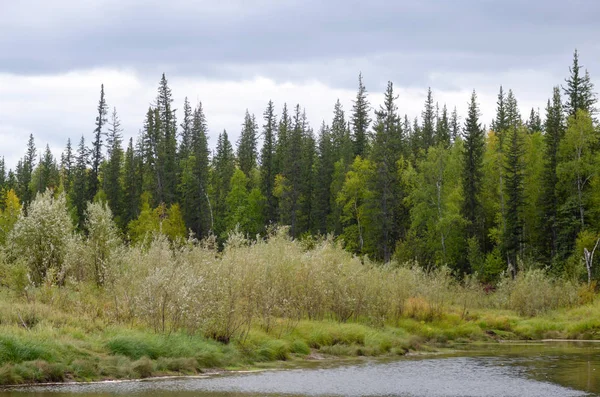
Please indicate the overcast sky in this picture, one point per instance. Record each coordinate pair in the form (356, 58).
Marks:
(235, 55)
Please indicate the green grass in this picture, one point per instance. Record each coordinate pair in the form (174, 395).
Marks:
(55, 346)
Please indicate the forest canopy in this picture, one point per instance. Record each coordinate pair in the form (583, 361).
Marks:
(431, 190)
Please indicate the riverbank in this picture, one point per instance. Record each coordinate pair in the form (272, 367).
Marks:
(40, 344)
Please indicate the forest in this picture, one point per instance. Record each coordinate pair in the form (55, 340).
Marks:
(431, 190)
(376, 234)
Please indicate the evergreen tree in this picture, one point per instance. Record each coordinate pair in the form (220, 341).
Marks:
(385, 187)
(283, 130)
(185, 146)
(455, 131)
(151, 151)
(474, 142)
(554, 131)
(341, 150)
(513, 116)
(324, 170)
(2, 175)
(201, 169)
(247, 149)
(196, 205)
(290, 183)
(66, 167)
(47, 173)
(513, 176)
(428, 124)
(307, 178)
(131, 186)
(96, 152)
(80, 191)
(579, 91)
(113, 187)
(223, 170)
(500, 123)
(443, 133)
(167, 130)
(534, 124)
(340, 136)
(267, 160)
(25, 172)
(360, 120)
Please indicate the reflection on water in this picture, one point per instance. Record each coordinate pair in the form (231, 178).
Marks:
(496, 370)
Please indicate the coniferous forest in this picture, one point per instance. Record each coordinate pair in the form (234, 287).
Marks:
(375, 234)
(427, 188)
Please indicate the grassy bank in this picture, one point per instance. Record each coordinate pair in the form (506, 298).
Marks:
(164, 308)
(40, 344)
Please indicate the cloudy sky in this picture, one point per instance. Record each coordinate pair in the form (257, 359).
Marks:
(235, 55)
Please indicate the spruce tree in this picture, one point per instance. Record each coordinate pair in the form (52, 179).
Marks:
(247, 145)
(455, 130)
(513, 177)
(336, 143)
(223, 170)
(150, 148)
(534, 124)
(267, 162)
(193, 189)
(340, 136)
(2, 175)
(554, 131)
(500, 123)
(291, 182)
(96, 152)
(474, 144)
(513, 116)
(131, 186)
(428, 123)
(360, 120)
(47, 172)
(66, 167)
(579, 91)
(324, 170)
(307, 220)
(167, 151)
(387, 197)
(185, 146)
(443, 132)
(203, 218)
(283, 130)
(25, 172)
(80, 191)
(112, 176)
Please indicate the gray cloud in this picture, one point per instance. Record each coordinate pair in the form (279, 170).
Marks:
(54, 55)
(401, 40)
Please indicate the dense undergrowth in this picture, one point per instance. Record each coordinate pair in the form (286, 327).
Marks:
(182, 308)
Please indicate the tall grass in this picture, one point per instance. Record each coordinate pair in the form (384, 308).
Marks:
(224, 294)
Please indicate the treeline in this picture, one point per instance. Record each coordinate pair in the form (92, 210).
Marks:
(435, 190)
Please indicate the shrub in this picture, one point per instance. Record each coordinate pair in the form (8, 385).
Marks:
(41, 237)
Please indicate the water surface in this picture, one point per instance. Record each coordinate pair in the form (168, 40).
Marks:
(530, 370)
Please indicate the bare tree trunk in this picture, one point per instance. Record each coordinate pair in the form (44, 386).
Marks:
(589, 260)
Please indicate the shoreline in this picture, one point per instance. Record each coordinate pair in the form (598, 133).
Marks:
(300, 363)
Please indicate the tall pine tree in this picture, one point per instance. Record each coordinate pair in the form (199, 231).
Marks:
(96, 152)
(474, 143)
(360, 120)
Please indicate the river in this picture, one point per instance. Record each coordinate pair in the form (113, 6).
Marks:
(527, 369)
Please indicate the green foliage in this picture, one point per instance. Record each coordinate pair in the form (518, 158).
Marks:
(162, 220)
(102, 240)
(474, 144)
(41, 237)
(9, 215)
